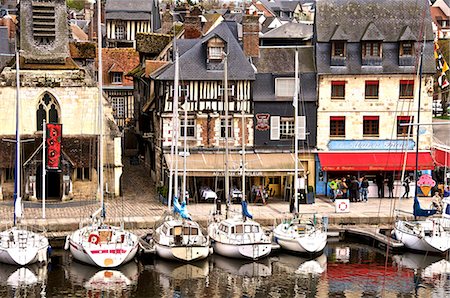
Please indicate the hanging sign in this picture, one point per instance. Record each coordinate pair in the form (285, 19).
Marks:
(53, 141)
(426, 183)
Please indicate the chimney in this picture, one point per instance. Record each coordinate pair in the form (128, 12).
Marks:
(167, 22)
(250, 35)
(192, 27)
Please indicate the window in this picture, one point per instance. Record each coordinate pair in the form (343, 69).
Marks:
(230, 90)
(371, 126)
(116, 77)
(239, 229)
(372, 89)
(406, 88)
(338, 49)
(372, 49)
(83, 174)
(286, 128)
(337, 126)
(402, 131)
(118, 104)
(406, 48)
(284, 87)
(183, 90)
(215, 53)
(223, 127)
(120, 32)
(47, 109)
(337, 89)
(190, 127)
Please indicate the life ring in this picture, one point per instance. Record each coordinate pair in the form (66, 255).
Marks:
(343, 206)
(93, 238)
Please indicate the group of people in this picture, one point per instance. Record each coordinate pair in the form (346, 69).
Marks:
(355, 189)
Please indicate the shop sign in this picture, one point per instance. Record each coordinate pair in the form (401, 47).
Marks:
(371, 145)
(238, 173)
(262, 122)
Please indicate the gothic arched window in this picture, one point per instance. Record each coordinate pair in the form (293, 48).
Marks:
(47, 109)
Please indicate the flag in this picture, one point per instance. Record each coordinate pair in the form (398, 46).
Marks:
(53, 141)
(441, 67)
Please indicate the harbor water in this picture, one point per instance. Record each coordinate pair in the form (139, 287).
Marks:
(344, 270)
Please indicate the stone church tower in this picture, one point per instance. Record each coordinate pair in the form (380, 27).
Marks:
(53, 88)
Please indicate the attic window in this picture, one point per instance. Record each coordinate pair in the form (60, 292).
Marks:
(406, 48)
(371, 49)
(215, 53)
(44, 28)
(338, 49)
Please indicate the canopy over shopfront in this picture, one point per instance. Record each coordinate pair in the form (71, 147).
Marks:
(256, 164)
(374, 161)
(442, 156)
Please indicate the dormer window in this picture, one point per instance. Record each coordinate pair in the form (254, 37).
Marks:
(116, 77)
(371, 49)
(215, 53)
(406, 48)
(338, 49)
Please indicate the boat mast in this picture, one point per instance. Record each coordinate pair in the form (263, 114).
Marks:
(17, 197)
(174, 144)
(100, 107)
(225, 93)
(185, 148)
(416, 174)
(295, 103)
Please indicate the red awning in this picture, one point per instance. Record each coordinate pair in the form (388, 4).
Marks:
(442, 157)
(374, 161)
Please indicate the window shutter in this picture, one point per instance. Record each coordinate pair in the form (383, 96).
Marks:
(275, 127)
(301, 127)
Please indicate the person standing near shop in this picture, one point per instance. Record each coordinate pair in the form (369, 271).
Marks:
(343, 187)
(364, 189)
(390, 185)
(406, 183)
(380, 185)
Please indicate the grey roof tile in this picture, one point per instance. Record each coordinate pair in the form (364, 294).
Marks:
(123, 15)
(291, 30)
(128, 5)
(372, 33)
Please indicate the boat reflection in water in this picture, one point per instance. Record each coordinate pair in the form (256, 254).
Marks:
(430, 268)
(97, 280)
(293, 264)
(243, 267)
(181, 271)
(24, 281)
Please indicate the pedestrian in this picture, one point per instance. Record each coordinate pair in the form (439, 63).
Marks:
(390, 185)
(333, 187)
(364, 188)
(437, 202)
(380, 185)
(343, 187)
(406, 183)
(354, 190)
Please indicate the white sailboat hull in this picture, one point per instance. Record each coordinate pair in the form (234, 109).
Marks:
(252, 251)
(119, 249)
(416, 239)
(182, 253)
(22, 247)
(310, 244)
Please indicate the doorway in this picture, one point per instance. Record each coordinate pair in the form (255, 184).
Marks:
(52, 184)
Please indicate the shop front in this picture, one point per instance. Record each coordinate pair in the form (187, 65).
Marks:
(270, 172)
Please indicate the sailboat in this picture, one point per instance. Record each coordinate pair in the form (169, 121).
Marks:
(431, 234)
(299, 234)
(177, 236)
(240, 236)
(98, 243)
(18, 244)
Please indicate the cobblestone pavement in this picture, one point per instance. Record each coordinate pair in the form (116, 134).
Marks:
(140, 208)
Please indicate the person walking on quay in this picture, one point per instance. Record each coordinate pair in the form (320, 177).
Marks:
(354, 190)
(343, 187)
(406, 183)
(334, 188)
(364, 189)
(390, 185)
(380, 185)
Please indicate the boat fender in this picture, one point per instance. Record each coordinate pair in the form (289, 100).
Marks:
(66, 245)
(93, 238)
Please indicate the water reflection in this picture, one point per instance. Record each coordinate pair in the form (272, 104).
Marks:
(241, 267)
(344, 270)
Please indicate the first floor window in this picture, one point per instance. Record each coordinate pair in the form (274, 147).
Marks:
(372, 88)
(286, 128)
(402, 130)
(118, 104)
(337, 89)
(337, 126)
(190, 127)
(407, 89)
(116, 77)
(83, 174)
(223, 128)
(371, 125)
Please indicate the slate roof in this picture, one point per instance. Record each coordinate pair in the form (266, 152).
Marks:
(129, 5)
(291, 30)
(354, 16)
(123, 15)
(280, 62)
(193, 61)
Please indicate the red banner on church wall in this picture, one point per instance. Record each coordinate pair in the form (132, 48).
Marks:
(53, 144)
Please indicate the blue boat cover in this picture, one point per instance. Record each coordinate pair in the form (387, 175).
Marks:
(180, 209)
(245, 210)
(422, 212)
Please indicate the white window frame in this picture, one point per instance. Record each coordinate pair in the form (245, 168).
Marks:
(287, 128)
(120, 32)
(301, 127)
(223, 127)
(118, 103)
(190, 124)
(285, 87)
(116, 77)
(215, 53)
(230, 90)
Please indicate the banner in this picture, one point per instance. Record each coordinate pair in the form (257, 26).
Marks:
(53, 144)
(441, 67)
